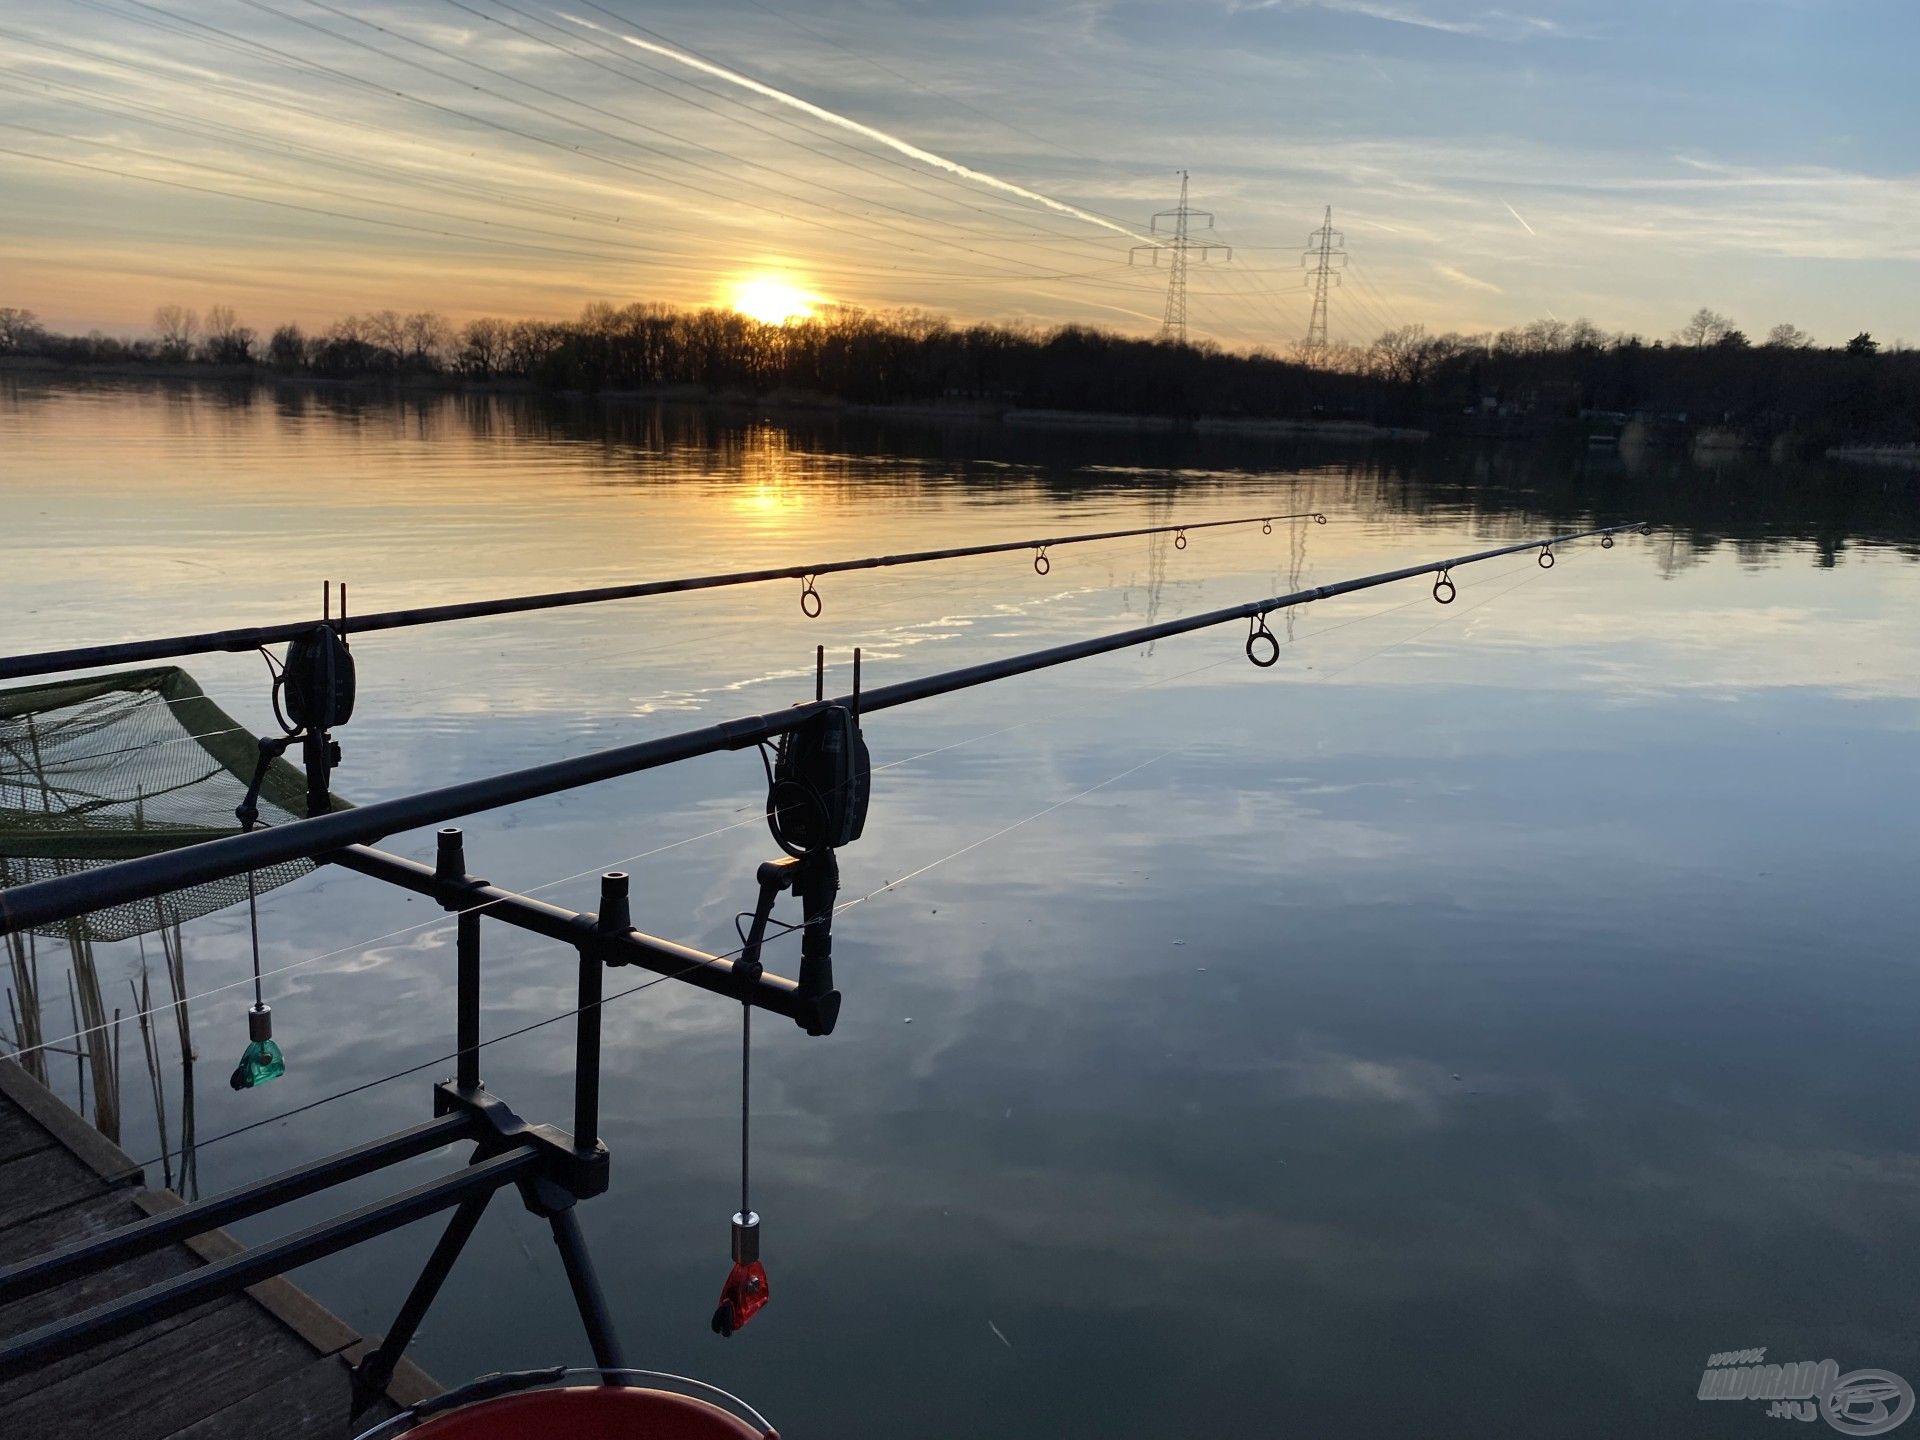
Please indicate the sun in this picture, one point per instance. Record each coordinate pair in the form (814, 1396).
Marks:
(770, 299)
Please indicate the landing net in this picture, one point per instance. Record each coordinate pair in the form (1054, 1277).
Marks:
(113, 767)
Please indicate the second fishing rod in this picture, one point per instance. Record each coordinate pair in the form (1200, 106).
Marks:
(41, 902)
(253, 637)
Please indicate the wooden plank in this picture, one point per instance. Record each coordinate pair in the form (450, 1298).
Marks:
(181, 1373)
(104, 1212)
(21, 1134)
(22, 1388)
(270, 1361)
(89, 1146)
(326, 1332)
(310, 1404)
(41, 1183)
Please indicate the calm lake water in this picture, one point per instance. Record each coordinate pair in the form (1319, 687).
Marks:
(1461, 1029)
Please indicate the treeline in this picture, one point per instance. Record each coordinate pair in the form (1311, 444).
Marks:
(1708, 373)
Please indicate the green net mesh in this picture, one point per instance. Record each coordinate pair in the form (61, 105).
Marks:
(116, 766)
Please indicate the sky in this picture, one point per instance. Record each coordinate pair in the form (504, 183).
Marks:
(1621, 160)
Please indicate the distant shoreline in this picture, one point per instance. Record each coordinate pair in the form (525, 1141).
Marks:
(964, 412)
(1896, 457)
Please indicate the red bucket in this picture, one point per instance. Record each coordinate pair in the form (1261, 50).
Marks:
(541, 1405)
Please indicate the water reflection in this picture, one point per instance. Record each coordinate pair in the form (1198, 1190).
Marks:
(1484, 1015)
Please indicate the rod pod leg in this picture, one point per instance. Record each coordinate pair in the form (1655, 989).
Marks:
(375, 1370)
(587, 1295)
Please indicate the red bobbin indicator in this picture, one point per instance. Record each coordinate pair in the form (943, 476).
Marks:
(746, 1289)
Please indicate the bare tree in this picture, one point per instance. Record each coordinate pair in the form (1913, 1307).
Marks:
(228, 341)
(1546, 335)
(483, 347)
(19, 330)
(1788, 337)
(1409, 355)
(288, 347)
(388, 330)
(425, 339)
(176, 327)
(530, 341)
(1707, 327)
(1583, 334)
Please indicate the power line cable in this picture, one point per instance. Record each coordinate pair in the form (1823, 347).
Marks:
(586, 105)
(730, 198)
(1128, 226)
(541, 110)
(659, 259)
(736, 112)
(288, 204)
(686, 56)
(925, 87)
(314, 67)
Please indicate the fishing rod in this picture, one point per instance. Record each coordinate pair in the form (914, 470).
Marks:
(49, 662)
(63, 897)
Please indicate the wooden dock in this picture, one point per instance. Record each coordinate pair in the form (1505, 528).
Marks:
(269, 1362)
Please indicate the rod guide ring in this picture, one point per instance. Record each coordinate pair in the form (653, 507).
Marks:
(1259, 635)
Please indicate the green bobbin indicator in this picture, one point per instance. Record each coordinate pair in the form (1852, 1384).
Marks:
(262, 1061)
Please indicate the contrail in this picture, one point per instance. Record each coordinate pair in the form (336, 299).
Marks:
(905, 147)
(1522, 219)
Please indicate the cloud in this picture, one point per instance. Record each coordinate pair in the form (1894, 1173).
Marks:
(1275, 117)
(865, 131)
(1521, 218)
(1480, 22)
(1460, 277)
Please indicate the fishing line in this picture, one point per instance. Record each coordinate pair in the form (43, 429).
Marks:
(839, 909)
(903, 633)
(442, 921)
(142, 749)
(1135, 769)
(1535, 574)
(1057, 717)
(452, 1055)
(438, 922)
(253, 636)
(1005, 830)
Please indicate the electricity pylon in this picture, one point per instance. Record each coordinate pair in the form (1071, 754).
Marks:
(1180, 242)
(1326, 255)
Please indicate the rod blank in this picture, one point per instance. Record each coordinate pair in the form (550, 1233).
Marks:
(66, 896)
(49, 662)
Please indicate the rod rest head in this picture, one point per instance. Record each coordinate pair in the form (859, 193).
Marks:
(566, 1174)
